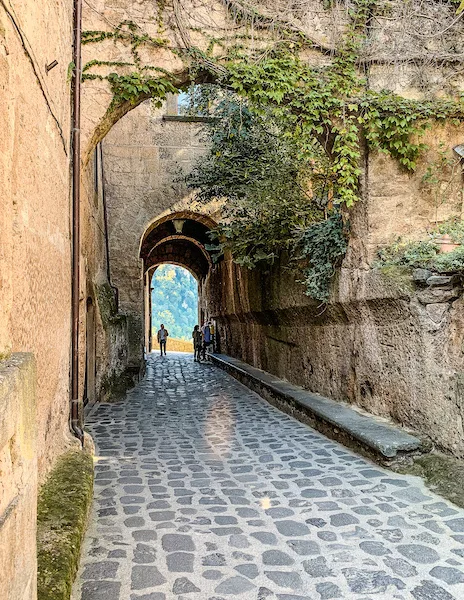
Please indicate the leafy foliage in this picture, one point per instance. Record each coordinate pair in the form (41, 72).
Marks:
(425, 253)
(407, 253)
(323, 247)
(263, 178)
(142, 81)
(330, 103)
(277, 198)
(174, 301)
(450, 262)
(129, 88)
(454, 228)
(126, 31)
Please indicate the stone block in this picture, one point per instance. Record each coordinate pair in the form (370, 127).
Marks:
(421, 275)
(437, 311)
(438, 295)
(441, 280)
(18, 477)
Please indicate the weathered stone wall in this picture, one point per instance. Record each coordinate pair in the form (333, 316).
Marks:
(109, 338)
(35, 260)
(35, 271)
(18, 478)
(392, 352)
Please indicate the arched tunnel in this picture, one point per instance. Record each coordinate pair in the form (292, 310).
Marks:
(180, 239)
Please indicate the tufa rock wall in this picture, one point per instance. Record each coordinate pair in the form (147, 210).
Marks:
(18, 478)
(35, 258)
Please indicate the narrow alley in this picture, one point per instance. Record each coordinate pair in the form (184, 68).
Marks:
(204, 491)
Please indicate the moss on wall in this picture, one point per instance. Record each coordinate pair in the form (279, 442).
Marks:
(442, 473)
(115, 385)
(107, 306)
(135, 338)
(63, 507)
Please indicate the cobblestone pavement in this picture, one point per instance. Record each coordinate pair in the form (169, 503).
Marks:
(205, 492)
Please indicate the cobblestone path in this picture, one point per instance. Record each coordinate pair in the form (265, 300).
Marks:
(205, 492)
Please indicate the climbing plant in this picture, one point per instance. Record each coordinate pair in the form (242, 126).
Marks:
(314, 118)
(331, 103)
(276, 200)
(146, 80)
(322, 248)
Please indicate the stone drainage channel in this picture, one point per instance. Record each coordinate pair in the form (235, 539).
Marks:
(205, 492)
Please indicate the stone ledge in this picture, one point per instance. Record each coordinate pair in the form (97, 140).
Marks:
(380, 440)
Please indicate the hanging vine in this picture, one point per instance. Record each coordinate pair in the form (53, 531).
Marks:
(331, 104)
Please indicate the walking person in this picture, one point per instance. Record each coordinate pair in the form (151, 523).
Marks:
(197, 342)
(207, 338)
(162, 337)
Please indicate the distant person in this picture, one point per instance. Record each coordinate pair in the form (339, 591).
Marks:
(207, 338)
(197, 343)
(162, 337)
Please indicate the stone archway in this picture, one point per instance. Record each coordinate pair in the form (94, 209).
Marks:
(181, 239)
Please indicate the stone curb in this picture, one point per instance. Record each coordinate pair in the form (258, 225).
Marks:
(381, 441)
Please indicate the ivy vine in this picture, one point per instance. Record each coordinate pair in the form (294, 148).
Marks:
(319, 109)
(331, 104)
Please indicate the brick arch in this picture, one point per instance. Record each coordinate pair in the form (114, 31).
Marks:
(173, 238)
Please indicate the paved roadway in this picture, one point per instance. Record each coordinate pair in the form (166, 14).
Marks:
(205, 492)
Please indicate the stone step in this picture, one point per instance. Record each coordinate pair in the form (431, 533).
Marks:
(382, 441)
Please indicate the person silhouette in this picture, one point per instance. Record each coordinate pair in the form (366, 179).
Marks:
(162, 337)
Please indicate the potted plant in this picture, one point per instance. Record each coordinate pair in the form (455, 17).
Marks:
(449, 235)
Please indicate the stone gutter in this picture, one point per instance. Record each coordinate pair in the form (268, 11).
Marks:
(381, 441)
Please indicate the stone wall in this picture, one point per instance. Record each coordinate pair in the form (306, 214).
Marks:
(35, 271)
(393, 352)
(35, 259)
(103, 331)
(18, 478)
